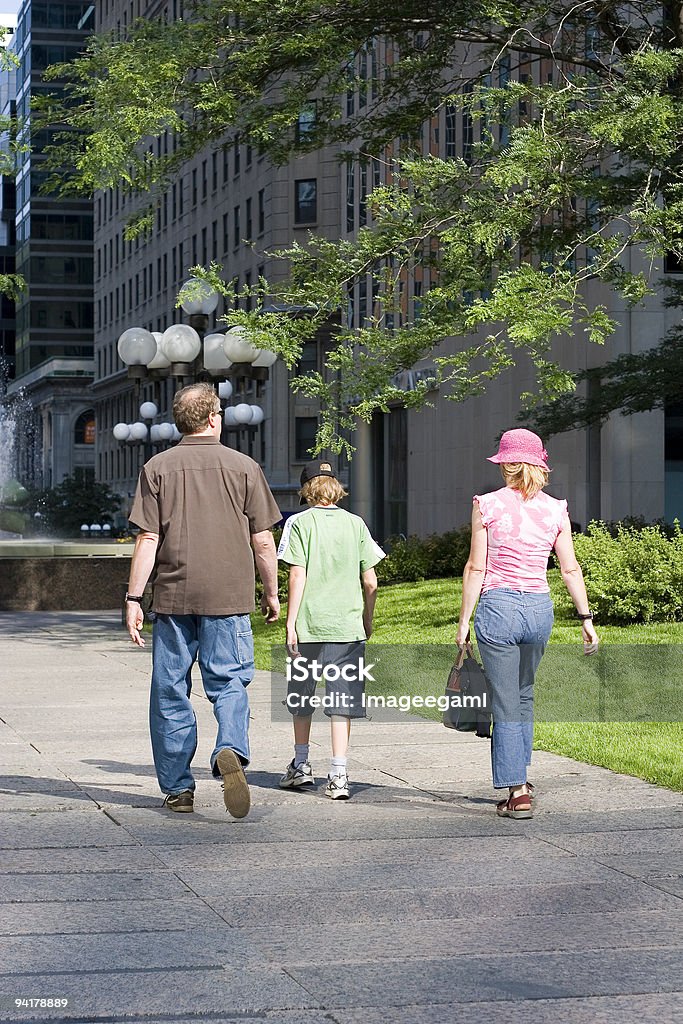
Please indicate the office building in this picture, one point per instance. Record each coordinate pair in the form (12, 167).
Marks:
(414, 471)
(53, 356)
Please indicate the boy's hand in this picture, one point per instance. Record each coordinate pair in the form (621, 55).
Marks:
(270, 607)
(292, 640)
(367, 626)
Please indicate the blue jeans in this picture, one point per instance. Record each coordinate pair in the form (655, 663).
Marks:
(512, 630)
(224, 647)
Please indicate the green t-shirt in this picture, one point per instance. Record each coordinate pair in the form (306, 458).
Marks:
(334, 547)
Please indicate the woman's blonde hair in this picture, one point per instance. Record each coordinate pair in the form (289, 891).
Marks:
(322, 489)
(524, 477)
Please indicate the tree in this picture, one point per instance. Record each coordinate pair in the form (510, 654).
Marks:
(629, 384)
(11, 285)
(75, 501)
(578, 162)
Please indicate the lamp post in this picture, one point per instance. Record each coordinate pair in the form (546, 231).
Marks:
(145, 432)
(187, 352)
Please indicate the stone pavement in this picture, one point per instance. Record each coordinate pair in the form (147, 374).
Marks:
(410, 904)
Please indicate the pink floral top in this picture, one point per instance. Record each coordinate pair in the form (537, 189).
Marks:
(521, 535)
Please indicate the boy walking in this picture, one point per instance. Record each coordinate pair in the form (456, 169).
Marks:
(332, 592)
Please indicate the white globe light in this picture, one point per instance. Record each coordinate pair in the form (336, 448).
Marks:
(154, 432)
(176, 433)
(180, 343)
(138, 431)
(242, 413)
(237, 346)
(121, 432)
(229, 417)
(106, 528)
(198, 297)
(224, 390)
(257, 416)
(265, 358)
(136, 346)
(85, 528)
(148, 410)
(214, 356)
(165, 431)
(159, 362)
(95, 528)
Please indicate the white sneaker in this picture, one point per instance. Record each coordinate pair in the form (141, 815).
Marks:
(337, 787)
(302, 775)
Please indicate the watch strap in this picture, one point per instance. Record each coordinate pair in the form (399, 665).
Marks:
(134, 597)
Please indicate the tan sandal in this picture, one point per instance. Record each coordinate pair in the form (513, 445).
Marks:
(515, 807)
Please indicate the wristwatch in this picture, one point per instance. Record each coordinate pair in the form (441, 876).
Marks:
(134, 597)
(584, 617)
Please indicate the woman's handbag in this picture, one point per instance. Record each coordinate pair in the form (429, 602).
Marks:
(469, 696)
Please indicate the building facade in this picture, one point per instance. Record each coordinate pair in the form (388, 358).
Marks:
(414, 471)
(230, 205)
(53, 348)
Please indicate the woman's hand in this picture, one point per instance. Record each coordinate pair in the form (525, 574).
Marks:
(463, 634)
(590, 637)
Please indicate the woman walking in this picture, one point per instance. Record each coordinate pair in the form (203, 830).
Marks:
(514, 529)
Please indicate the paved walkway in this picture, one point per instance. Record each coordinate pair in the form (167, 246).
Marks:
(410, 904)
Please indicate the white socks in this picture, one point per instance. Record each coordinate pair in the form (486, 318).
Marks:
(337, 766)
(300, 754)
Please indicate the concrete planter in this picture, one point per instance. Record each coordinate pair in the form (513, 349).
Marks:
(63, 576)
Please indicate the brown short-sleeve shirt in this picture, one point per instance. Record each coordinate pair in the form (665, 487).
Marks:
(204, 500)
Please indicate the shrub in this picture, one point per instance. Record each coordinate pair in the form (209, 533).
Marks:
(414, 558)
(632, 574)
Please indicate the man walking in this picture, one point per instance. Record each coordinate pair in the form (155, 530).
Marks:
(201, 508)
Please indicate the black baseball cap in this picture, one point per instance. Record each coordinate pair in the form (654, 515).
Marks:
(319, 467)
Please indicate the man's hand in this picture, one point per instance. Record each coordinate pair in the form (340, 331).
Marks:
(134, 621)
(270, 606)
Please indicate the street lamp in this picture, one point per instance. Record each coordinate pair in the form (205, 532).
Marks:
(188, 352)
(146, 433)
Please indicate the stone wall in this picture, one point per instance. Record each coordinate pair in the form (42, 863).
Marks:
(63, 584)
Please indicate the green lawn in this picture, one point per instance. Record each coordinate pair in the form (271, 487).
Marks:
(630, 679)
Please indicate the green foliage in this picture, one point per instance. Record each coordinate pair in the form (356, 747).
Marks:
(75, 501)
(632, 574)
(414, 558)
(631, 383)
(588, 171)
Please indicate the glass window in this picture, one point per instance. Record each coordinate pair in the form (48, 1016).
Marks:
(261, 211)
(248, 219)
(306, 201)
(236, 227)
(308, 362)
(451, 114)
(305, 429)
(350, 196)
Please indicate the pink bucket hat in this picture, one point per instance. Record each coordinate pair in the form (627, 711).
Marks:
(521, 446)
